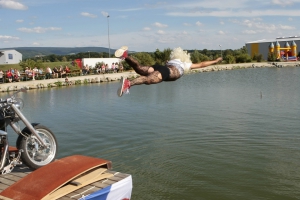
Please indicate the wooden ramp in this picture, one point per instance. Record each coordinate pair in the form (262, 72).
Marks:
(71, 177)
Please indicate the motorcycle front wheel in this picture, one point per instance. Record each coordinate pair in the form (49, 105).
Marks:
(34, 155)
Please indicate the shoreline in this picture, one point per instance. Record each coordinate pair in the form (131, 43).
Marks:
(98, 78)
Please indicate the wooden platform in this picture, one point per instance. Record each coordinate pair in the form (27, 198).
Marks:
(20, 172)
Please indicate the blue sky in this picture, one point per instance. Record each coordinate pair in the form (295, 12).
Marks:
(145, 25)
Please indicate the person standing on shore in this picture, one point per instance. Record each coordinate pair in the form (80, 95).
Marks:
(9, 75)
(178, 64)
(48, 73)
(1, 76)
(17, 75)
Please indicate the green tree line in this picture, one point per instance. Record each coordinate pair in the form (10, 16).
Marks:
(157, 57)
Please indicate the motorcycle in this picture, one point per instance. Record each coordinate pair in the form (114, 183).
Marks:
(36, 144)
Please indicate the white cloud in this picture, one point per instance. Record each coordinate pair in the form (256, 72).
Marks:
(282, 2)
(187, 24)
(7, 37)
(213, 4)
(254, 24)
(86, 14)
(157, 24)
(161, 32)
(257, 25)
(36, 44)
(105, 14)
(131, 9)
(284, 27)
(236, 13)
(10, 4)
(198, 23)
(249, 32)
(221, 33)
(19, 20)
(146, 29)
(38, 29)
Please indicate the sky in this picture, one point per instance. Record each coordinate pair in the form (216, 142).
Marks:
(146, 25)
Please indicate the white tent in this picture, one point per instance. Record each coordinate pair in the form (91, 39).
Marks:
(91, 62)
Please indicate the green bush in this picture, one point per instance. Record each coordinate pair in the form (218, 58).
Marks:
(229, 59)
(58, 83)
(243, 58)
(259, 58)
(271, 57)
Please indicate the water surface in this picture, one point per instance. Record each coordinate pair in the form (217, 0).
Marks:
(217, 135)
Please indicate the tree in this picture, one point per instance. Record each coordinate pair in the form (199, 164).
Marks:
(144, 59)
(230, 59)
(259, 58)
(162, 57)
(31, 64)
(64, 59)
(243, 58)
(51, 57)
(195, 56)
(254, 56)
(271, 57)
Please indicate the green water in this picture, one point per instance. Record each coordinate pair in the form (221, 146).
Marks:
(217, 135)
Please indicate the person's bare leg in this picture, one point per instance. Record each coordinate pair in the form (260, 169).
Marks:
(205, 63)
(152, 78)
(141, 70)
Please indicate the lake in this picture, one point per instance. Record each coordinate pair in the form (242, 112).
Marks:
(216, 135)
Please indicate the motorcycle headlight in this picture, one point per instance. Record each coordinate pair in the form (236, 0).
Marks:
(19, 103)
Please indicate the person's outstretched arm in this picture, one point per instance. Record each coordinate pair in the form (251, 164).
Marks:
(205, 63)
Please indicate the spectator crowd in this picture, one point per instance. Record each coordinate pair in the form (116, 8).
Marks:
(13, 75)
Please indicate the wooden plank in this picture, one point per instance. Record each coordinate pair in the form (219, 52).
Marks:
(109, 182)
(100, 184)
(121, 175)
(83, 180)
(3, 187)
(83, 192)
(11, 177)
(64, 198)
(6, 181)
(4, 198)
(87, 189)
(74, 193)
(115, 178)
(19, 174)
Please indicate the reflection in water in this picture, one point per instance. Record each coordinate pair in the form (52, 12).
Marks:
(205, 136)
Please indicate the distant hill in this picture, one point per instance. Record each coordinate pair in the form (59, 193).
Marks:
(30, 52)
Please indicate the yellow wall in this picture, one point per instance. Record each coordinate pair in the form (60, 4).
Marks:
(254, 49)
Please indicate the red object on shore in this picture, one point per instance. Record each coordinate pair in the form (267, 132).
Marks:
(79, 63)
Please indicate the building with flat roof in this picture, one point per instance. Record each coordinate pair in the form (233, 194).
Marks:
(10, 57)
(264, 46)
